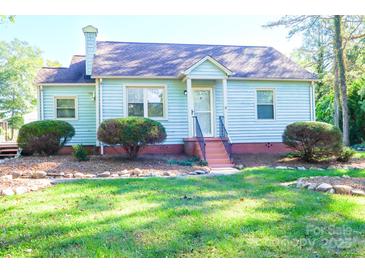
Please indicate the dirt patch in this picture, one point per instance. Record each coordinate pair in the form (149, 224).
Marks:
(255, 160)
(96, 164)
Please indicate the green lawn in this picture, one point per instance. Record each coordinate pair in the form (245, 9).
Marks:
(244, 215)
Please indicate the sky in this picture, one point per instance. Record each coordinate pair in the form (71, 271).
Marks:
(60, 37)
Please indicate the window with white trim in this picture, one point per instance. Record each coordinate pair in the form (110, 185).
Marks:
(66, 107)
(146, 102)
(265, 104)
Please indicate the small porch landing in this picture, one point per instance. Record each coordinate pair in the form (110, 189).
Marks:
(215, 152)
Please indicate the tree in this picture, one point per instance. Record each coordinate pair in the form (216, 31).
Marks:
(326, 40)
(15, 122)
(53, 63)
(5, 18)
(19, 63)
(340, 61)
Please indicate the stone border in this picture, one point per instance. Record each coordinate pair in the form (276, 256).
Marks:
(338, 188)
(31, 181)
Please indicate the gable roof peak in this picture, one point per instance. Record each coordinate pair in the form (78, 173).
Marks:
(211, 60)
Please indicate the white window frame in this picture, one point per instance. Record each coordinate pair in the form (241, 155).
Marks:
(145, 102)
(273, 104)
(76, 107)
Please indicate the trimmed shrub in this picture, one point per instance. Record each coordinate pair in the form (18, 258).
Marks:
(80, 153)
(132, 133)
(346, 154)
(45, 137)
(313, 140)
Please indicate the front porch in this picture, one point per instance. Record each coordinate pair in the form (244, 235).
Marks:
(208, 137)
(206, 90)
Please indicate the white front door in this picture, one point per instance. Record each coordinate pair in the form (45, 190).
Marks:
(202, 98)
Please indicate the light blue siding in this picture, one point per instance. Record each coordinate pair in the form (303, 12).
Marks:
(176, 124)
(292, 104)
(207, 69)
(85, 125)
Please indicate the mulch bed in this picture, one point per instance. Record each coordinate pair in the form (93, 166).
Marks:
(96, 164)
(255, 160)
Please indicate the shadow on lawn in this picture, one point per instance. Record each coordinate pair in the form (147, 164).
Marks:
(244, 215)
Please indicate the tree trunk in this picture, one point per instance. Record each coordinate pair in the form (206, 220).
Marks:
(336, 101)
(342, 77)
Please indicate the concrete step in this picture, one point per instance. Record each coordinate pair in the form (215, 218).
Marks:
(221, 154)
(215, 166)
(223, 170)
(218, 161)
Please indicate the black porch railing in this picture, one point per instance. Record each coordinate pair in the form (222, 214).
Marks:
(223, 134)
(199, 136)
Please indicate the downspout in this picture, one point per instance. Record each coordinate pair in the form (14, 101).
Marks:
(101, 112)
(97, 109)
(41, 105)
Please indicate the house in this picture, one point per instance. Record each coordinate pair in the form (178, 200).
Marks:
(212, 99)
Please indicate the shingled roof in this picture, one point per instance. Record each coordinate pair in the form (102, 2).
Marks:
(75, 73)
(163, 59)
(131, 59)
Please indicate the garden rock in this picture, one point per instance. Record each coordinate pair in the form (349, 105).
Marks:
(166, 173)
(301, 168)
(79, 175)
(21, 190)
(104, 174)
(342, 189)
(324, 187)
(27, 174)
(39, 174)
(312, 186)
(55, 174)
(7, 192)
(281, 167)
(6, 178)
(17, 174)
(358, 192)
(89, 175)
(114, 175)
(124, 172)
(200, 172)
(68, 175)
(136, 172)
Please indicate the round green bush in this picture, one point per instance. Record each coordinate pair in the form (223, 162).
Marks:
(44, 137)
(313, 140)
(132, 133)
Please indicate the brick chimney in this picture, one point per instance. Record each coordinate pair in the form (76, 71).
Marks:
(90, 33)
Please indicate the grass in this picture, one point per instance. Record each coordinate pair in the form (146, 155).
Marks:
(359, 155)
(244, 215)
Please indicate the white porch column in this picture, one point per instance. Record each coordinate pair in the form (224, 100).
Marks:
(225, 106)
(190, 106)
